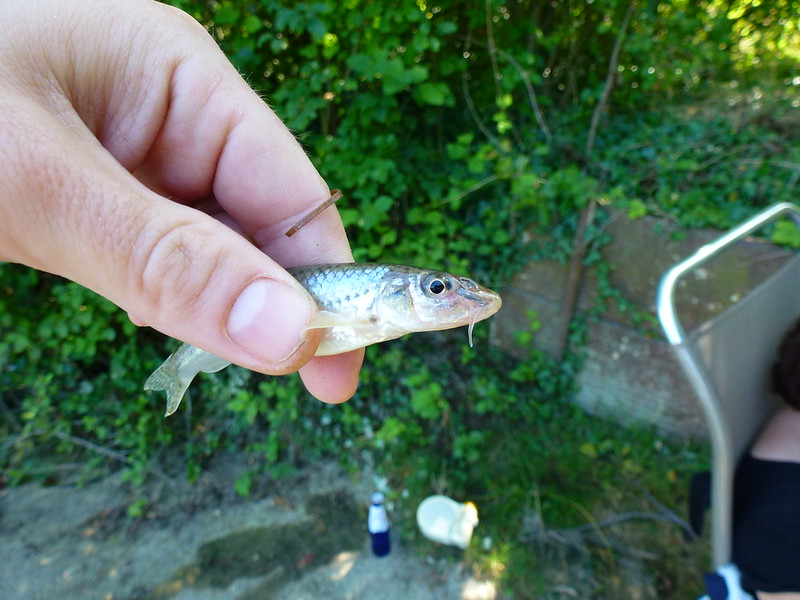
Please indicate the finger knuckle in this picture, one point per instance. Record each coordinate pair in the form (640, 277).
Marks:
(176, 264)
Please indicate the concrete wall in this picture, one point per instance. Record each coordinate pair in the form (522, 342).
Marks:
(629, 373)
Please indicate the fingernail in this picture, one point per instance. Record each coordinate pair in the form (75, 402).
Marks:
(267, 320)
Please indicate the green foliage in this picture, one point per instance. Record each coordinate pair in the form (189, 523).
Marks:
(72, 364)
(705, 170)
(786, 233)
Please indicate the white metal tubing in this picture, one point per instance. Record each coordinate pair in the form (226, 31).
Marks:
(665, 297)
(721, 519)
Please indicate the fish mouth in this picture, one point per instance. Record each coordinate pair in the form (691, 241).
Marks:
(486, 301)
(483, 304)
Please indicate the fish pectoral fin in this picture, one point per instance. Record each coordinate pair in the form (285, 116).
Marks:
(325, 319)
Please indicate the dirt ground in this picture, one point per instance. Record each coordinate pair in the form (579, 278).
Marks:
(302, 540)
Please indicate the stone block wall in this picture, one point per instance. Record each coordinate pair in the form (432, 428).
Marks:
(630, 374)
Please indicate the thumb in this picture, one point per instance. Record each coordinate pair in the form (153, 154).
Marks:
(175, 268)
(195, 279)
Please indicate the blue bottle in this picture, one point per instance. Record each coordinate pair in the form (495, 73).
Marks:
(378, 525)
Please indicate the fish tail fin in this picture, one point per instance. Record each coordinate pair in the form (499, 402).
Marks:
(166, 379)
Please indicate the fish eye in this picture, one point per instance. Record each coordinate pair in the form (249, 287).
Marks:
(435, 286)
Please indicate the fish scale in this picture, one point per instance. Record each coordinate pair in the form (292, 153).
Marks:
(332, 286)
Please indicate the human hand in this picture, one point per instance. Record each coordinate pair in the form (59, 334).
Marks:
(137, 162)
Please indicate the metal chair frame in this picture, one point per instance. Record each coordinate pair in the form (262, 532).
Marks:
(730, 434)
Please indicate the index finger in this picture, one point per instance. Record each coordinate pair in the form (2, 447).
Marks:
(266, 183)
(223, 141)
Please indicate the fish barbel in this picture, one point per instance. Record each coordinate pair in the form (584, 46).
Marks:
(359, 304)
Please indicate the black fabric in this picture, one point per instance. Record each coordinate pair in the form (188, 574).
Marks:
(699, 500)
(766, 524)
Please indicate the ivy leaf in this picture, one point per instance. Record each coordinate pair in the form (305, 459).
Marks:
(636, 209)
(394, 76)
(588, 449)
(243, 484)
(317, 28)
(446, 28)
(435, 94)
(363, 64)
(226, 15)
(786, 233)
(251, 24)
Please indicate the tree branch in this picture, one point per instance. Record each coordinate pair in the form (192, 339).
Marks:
(609, 85)
(532, 99)
(96, 448)
(575, 267)
(476, 117)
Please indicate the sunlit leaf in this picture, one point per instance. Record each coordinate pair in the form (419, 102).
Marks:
(435, 94)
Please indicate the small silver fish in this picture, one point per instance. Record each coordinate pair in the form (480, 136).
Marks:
(359, 304)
